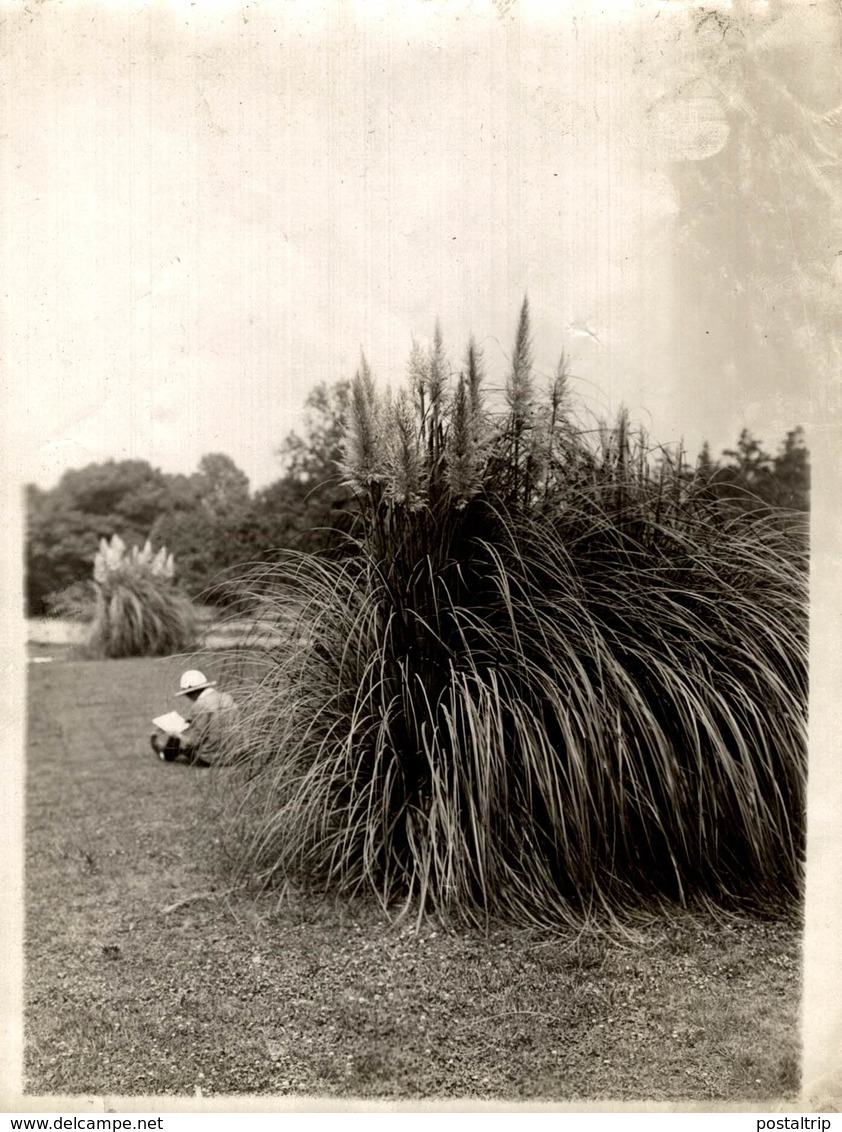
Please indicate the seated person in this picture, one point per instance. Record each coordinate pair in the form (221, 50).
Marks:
(198, 734)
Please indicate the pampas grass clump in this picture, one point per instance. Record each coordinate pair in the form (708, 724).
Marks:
(138, 611)
(551, 678)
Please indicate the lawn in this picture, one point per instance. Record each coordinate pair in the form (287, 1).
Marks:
(147, 974)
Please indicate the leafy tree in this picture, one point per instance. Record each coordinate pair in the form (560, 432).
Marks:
(749, 472)
(194, 539)
(312, 458)
(204, 531)
(309, 505)
(792, 472)
(64, 525)
(200, 517)
(747, 477)
(706, 464)
(223, 489)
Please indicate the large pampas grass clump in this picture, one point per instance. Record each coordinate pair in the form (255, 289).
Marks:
(551, 677)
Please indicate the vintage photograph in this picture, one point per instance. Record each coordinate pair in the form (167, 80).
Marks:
(414, 407)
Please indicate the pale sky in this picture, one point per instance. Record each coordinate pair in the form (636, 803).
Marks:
(210, 207)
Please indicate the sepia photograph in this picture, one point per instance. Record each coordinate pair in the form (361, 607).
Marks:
(421, 475)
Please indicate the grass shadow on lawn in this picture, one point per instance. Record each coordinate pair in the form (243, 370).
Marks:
(147, 975)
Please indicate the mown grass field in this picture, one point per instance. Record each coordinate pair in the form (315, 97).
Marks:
(146, 975)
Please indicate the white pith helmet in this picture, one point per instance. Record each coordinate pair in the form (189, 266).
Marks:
(193, 681)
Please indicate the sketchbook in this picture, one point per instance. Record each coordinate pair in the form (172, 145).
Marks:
(172, 723)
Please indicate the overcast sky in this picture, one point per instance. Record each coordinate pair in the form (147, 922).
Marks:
(211, 207)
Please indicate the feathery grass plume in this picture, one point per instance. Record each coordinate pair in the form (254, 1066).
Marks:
(437, 374)
(559, 444)
(463, 456)
(362, 461)
(519, 383)
(418, 375)
(406, 481)
(555, 439)
(138, 611)
(475, 377)
(520, 397)
(540, 704)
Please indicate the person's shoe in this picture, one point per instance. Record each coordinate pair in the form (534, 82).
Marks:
(166, 753)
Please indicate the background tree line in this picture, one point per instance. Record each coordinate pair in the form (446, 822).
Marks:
(212, 522)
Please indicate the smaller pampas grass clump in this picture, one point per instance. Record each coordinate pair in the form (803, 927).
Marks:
(138, 610)
(552, 677)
